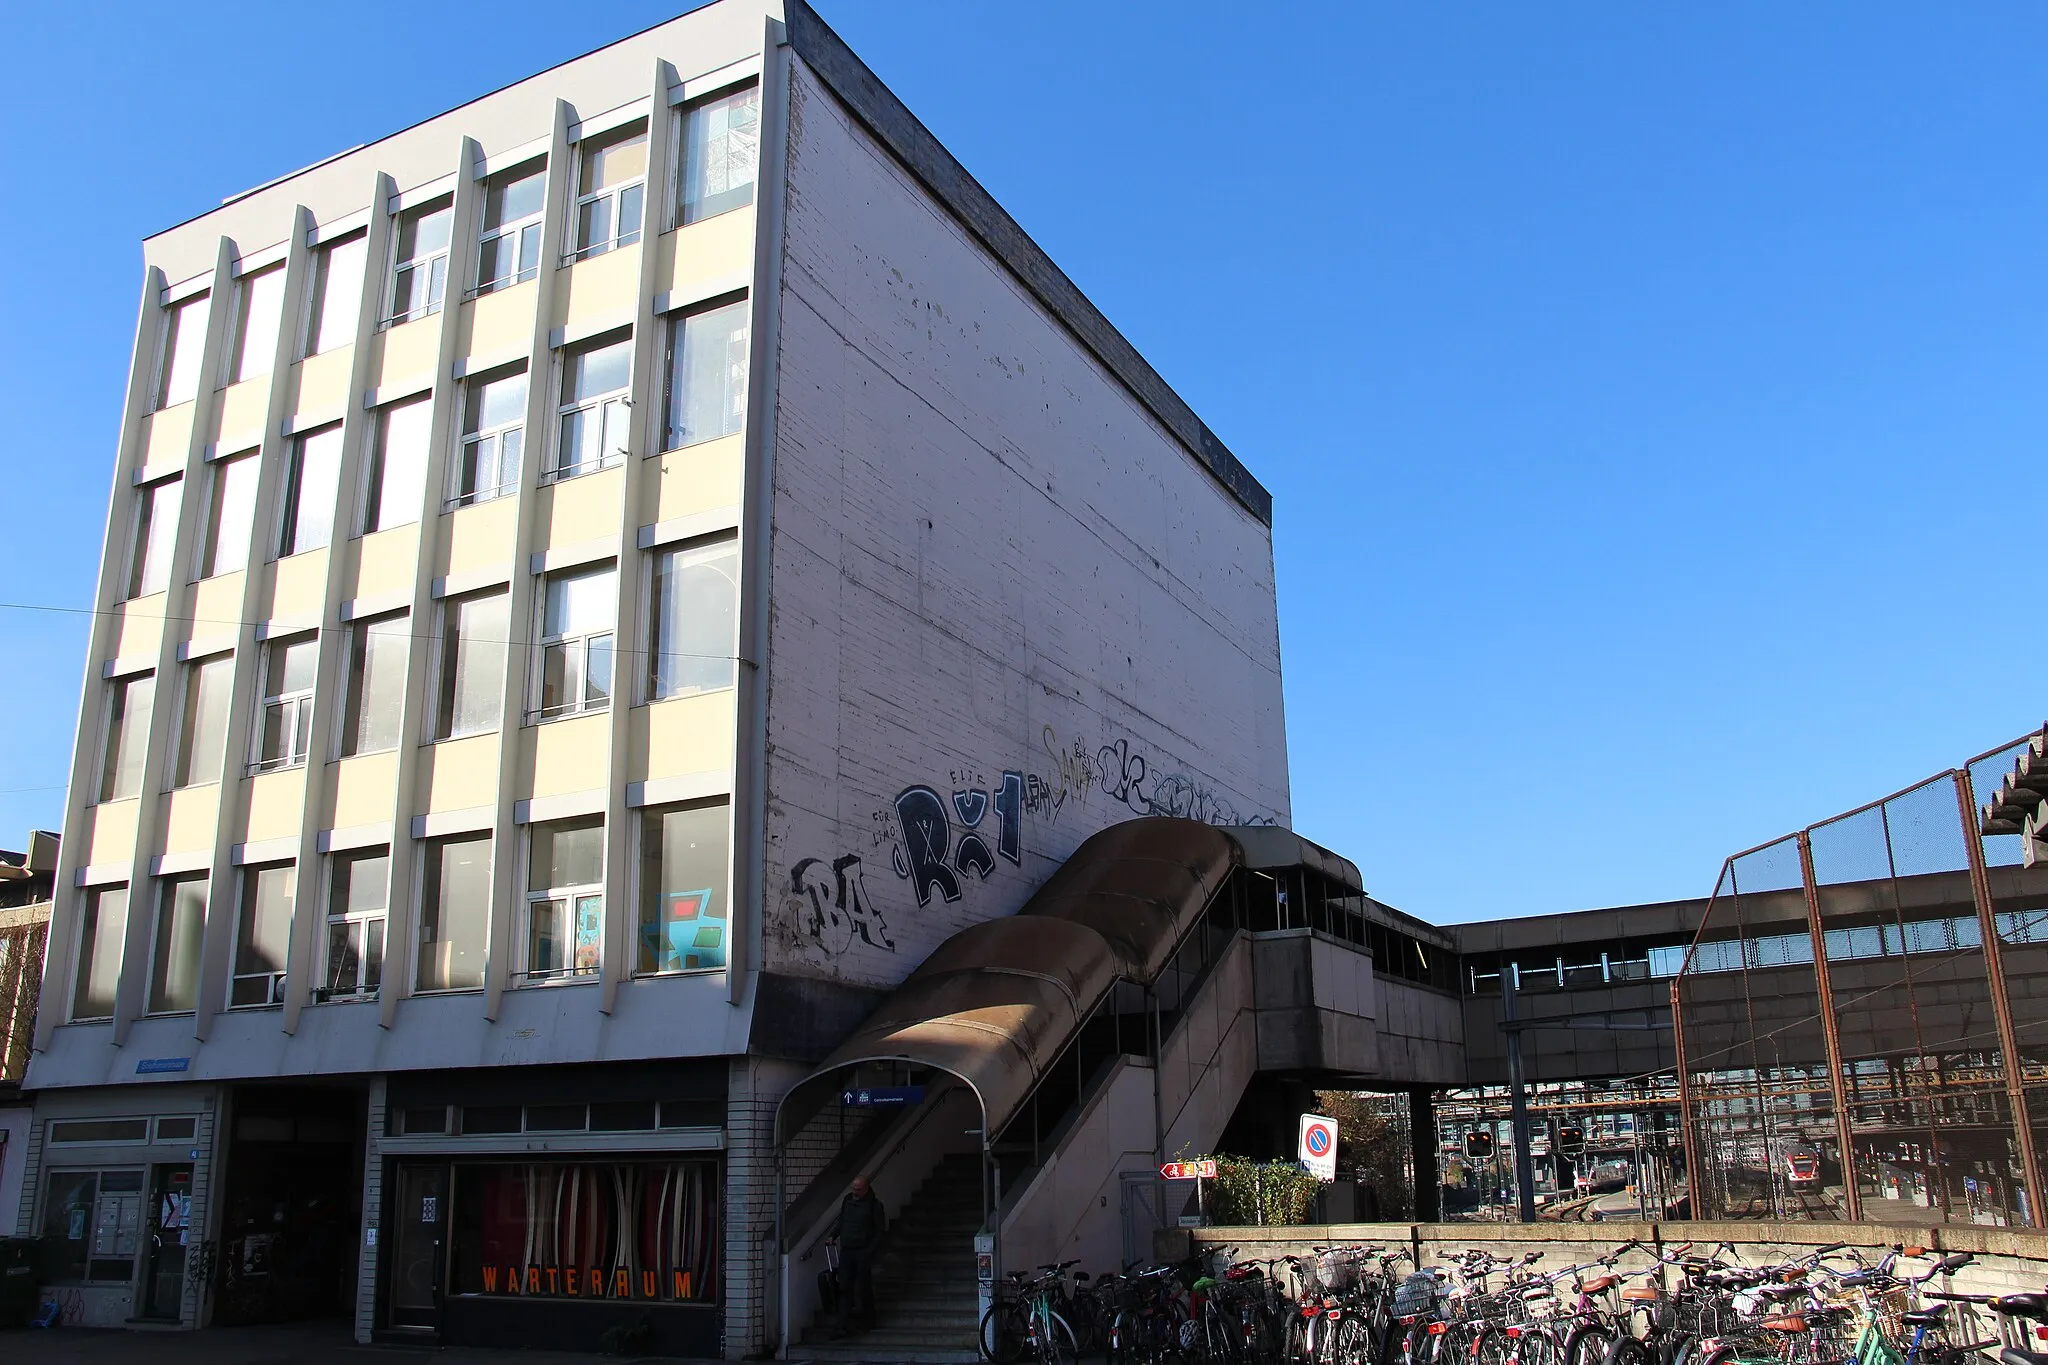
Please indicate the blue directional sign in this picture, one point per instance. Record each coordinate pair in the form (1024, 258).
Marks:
(882, 1096)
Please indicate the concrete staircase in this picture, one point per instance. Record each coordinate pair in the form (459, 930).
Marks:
(925, 1300)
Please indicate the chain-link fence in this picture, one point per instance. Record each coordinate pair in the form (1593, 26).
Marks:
(1848, 1010)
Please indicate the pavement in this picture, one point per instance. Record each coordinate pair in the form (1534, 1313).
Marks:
(295, 1344)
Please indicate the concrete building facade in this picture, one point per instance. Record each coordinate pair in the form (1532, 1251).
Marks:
(597, 586)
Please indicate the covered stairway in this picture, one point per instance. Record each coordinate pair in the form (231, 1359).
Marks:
(1055, 1055)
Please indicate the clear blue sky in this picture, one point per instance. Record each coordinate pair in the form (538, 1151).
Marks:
(1652, 396)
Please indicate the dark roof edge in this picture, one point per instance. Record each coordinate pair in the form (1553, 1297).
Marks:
(884, 115)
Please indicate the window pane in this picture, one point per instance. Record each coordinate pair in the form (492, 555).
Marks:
(127, 736)
(721, 154)
(455, 921)
(518, 193)
(156, 526)
(376, 683)
(260, 314)
(231, 518)
(695, 602)
(614, 159)
(601, 369)
(99, 952)
(496, 403)
(337, 294)
(184, 338)
(423, 232)
(360, 883)
(174, 966)
(398, 466)
(568, 853)
(421, 259)
(683, 860)
(578, 603)
(202, 741)
(473, 664)
(310, 491)
(263, 933)
(292, 663)
(707, 377)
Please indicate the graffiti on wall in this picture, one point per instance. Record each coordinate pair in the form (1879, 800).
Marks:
(942, 838)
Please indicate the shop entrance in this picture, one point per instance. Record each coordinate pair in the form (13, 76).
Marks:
(292, 1206)
(418, 1245)
(163, 1254)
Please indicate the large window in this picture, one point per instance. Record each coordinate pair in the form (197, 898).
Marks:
(595, 411)
(691, 608)
(259, 312)
(184, 338)
(576, 619)
(564, 900)
(493, 436)
(396, 490)
(174, 953)
(472, 684)
(455, 914)
(102, 925)
(419, 270)
(284, 723)
(611, 189)
(202, 738)
(684, 855)
(337, 293)
(311, 480)
(129, 703)
(707, 375)
(156, 528)
(263, 935)
(721, 153)
(377, 651)
(526, 1229)
(358, 893)
(508, 249)
(230, 516)
(92, 1226)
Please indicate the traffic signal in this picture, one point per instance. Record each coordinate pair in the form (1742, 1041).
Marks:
(1572, 1139)
(1478, 1146)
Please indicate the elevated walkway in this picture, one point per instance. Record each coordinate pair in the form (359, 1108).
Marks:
(1117, 1018)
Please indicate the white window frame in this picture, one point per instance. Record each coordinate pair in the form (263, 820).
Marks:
(648, 666)
(515, 229)
(578, 643)
(389, 624)
(237, 341)
(142, 525)
(355, 920)
(615, 193)
(447, 656)
(297, 706)
(166, 889)
(437, 299)
(217, 528)
(612, 409)
(110, 741)
(195, 307)
(569, 902)
(495, 435)
(182, 753)
(682, 114)
(314, 310)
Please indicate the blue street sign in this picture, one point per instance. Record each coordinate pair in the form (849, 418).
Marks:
(882, 1096)
(150, 1066)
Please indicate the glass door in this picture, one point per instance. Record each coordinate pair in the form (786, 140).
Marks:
(170, 1218)
(419, 1217)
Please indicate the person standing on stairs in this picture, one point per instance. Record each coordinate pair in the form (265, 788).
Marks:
(858, 1233)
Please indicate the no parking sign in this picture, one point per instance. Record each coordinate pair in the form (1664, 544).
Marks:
(1319, 1146)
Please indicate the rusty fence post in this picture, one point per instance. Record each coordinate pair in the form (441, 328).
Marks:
(1831, 1030)
(1692, 1162)
(2001, 1003)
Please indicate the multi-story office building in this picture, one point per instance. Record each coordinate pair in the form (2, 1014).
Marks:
(597, 585)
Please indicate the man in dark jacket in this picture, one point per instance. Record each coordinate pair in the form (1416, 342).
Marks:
(862, 1221)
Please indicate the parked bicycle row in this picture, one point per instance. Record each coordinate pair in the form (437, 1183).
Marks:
(1371, 1305)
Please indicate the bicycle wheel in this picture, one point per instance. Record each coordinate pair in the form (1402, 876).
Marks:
(1586, 1344)
(1489, 1346)
(1352, 1344)
(1630, 1351)
(1003, 1332)
(1535, 1346)
(1061, 1347)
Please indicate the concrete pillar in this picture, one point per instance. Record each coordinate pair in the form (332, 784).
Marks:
(1422, 1140)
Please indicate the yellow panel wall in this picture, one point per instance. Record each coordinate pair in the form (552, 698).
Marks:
(299, 586)
(499, 327)
(190, 817)
(600, 290)
(461, 773)
(243, 409)
(142, 628)
(166, 437)
(479, 536)
(275, 800)
(216, 606)
(686, 735)
(363, 788)
(384, 561)
(321, 383)
(703, 257)
(571, 755)
(580, 510)
(408, 354)
(698, 478)
(113, 832)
